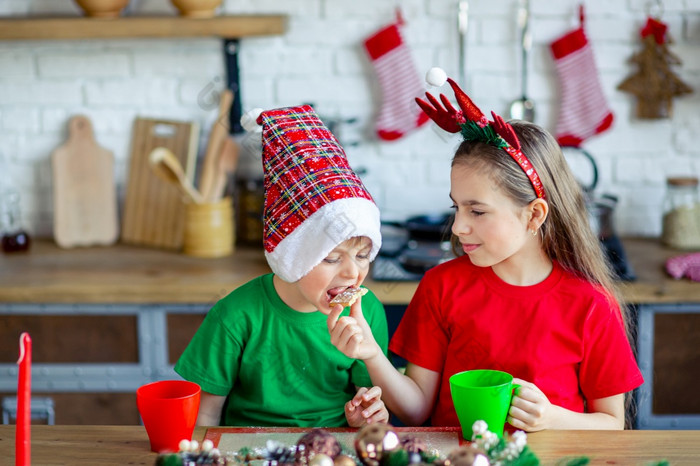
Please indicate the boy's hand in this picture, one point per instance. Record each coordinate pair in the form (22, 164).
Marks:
(366, 407)
(530, 409)
(352, 334)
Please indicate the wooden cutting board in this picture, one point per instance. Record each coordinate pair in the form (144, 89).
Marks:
(85, 200)
(154, 210)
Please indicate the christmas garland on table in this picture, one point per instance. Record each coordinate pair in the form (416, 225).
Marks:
(375, 445)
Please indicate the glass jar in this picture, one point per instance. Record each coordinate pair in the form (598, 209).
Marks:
(14, 237)
(681, 219)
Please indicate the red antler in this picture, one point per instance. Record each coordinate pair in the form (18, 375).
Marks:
(444, 117)
(471, 111)
(447, 117)
(505, 130)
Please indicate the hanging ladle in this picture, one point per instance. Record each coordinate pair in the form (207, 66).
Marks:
(523, 108)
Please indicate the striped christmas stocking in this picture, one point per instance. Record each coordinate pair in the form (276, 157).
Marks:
(583, 111)
(400, 83)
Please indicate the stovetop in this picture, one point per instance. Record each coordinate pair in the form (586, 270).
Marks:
(390, 269)
(410, 262)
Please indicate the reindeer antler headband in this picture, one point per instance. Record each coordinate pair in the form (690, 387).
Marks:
(474, 126)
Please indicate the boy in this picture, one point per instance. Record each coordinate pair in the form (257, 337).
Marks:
(263, 355)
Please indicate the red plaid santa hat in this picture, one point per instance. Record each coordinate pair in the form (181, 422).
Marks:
(313, 199)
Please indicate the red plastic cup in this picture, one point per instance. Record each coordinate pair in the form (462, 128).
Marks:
(168, 409)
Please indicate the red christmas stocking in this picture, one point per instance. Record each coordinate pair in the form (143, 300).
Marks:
(583, 111)
(400, 83)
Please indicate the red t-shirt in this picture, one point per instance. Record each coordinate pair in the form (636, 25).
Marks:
(562, 334)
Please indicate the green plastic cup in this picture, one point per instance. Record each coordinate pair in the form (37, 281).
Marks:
(484, 395)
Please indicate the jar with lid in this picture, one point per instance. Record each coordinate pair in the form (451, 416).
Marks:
(681, 219)
(14, 237)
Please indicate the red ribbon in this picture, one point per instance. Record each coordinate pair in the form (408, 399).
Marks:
(655, 27)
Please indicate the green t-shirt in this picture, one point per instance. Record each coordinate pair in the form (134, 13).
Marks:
(277, 366)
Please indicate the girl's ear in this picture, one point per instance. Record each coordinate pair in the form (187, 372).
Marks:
(538, 210)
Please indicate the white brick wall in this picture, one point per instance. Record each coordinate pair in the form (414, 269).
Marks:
(320, 60)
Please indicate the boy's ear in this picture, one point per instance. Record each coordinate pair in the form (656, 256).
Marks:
(538, 210)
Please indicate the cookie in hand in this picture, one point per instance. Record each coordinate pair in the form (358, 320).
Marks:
(348, 297)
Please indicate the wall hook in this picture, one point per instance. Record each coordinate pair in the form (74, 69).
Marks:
(655, 9)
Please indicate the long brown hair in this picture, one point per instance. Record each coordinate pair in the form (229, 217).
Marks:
(566, 234)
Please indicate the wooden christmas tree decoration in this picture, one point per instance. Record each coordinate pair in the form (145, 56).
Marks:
(654, 84)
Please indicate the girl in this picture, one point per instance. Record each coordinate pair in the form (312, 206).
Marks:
(530, 294)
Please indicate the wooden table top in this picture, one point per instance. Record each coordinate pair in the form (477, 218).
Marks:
(119, 445)
(128, 274)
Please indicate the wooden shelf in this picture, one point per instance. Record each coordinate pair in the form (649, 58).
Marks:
(22, 28)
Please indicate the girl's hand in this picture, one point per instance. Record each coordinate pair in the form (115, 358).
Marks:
(530, 409)
(366, 407)
(352, 334)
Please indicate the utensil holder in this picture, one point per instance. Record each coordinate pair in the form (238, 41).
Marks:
(209, 229)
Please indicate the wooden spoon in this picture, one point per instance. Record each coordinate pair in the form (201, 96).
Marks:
(166, 165)
(217, 136)
(226, 164)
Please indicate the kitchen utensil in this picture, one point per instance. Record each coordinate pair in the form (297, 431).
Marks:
(226, 165)
(523, 108)
(463, 27)
(84, 190)
(168, 168)
(153, 213)
(217, 136)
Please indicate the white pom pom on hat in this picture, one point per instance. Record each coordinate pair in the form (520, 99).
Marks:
(249, 120)
(436, 76)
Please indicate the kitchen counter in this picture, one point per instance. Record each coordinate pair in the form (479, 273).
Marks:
(128, 274)
(116, 445)
(106, 320)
